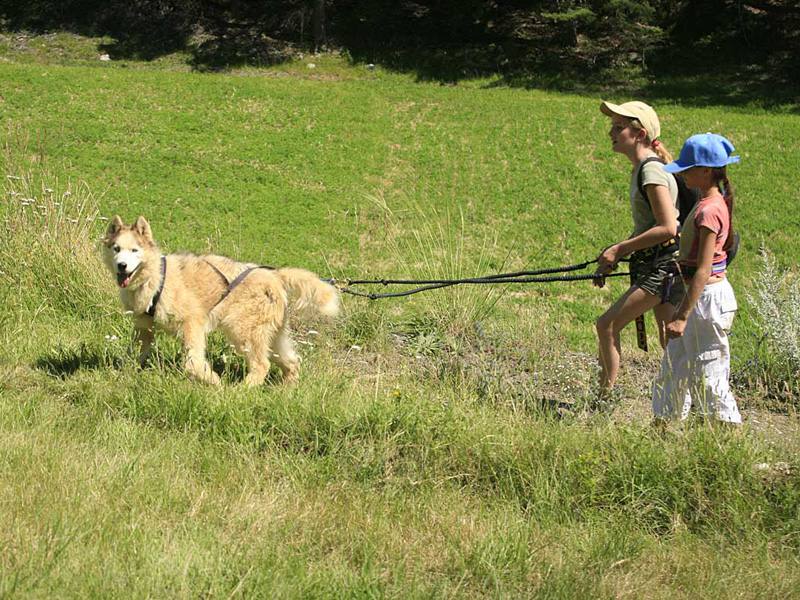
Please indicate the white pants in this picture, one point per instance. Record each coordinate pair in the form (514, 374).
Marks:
(696, 367)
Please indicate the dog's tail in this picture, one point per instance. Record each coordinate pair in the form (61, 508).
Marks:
(308, 291)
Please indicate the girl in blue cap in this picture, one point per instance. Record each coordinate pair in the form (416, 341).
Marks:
(652, 245)
(696, 365)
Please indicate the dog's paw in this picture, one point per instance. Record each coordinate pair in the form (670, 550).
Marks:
(291, 376)
(253, 379)
(206, 376)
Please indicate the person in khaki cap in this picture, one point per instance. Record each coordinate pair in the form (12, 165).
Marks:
(652, 245)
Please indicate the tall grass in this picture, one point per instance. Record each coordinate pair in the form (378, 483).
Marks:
(48, 241)
(428, 244)
(50, 276)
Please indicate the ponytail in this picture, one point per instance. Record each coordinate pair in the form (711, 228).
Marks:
(655, 145)
(661, 151)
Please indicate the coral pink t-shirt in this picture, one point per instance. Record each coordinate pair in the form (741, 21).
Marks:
(711, 212)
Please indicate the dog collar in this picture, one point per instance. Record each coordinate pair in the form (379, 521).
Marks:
(151, 310)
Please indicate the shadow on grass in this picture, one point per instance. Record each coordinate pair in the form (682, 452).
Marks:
(734, 86)
(65, 362)
(140, 47)
(445, 65)
(761, 81)
(225, 48)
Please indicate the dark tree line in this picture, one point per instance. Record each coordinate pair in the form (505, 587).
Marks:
(442, 38)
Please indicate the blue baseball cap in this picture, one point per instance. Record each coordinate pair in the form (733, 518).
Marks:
(703, 150)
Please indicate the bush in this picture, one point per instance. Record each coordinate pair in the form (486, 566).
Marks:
(776, 303)
(776, 299)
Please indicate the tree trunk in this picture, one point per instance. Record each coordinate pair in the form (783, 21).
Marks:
(318, 21)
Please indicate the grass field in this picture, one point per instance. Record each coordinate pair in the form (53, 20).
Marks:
(418, 456)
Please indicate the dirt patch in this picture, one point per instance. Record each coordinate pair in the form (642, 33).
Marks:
(505, 372)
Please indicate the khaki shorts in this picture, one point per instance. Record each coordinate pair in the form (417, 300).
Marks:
(652, 274)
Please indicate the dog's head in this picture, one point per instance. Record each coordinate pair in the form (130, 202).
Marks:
(127, 247)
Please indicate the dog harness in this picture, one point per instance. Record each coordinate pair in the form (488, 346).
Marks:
(231, 285)
(151, 310)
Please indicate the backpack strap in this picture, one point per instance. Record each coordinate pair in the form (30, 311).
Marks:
(670, 245)
(640, 176)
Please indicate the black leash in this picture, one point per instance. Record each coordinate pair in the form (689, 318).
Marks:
(546, 275)
(433, 284)
(576, 267)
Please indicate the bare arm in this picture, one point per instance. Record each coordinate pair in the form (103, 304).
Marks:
(705, 257)
(665, 228)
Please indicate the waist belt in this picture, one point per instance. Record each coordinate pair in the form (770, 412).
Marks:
(669, 246)
(716, 268)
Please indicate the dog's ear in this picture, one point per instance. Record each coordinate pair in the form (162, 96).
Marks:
(114, 228)
(142, 227)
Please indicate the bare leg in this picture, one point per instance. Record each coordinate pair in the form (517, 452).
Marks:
(630, 305)
(664, 313)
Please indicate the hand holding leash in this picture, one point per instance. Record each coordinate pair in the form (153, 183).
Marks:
(599, 282)
(606, 263)
(609, 258)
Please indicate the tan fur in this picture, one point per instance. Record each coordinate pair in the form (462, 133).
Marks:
(253, 317)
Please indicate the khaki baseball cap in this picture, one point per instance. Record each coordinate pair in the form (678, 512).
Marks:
(640, 111)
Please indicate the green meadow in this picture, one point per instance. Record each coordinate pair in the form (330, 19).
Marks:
(421, 454)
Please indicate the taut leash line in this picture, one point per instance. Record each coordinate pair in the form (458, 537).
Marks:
(535, 276)
(575, 267)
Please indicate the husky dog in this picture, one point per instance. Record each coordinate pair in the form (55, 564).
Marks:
(190, 296)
